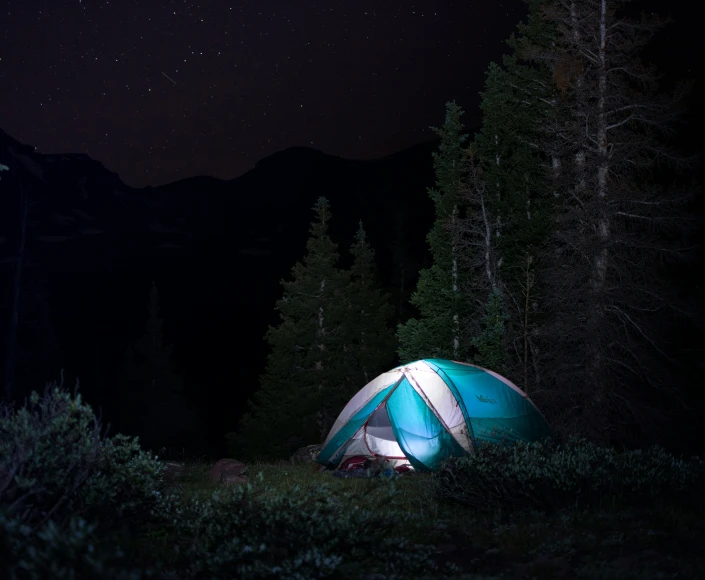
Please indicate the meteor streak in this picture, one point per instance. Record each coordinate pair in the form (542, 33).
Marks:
(167, 76)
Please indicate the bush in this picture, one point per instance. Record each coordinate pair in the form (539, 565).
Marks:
(59, 475)
(67, 553)
(306, 533)
(126, 482)
(73, 503)
(547, 475)
(48, 448)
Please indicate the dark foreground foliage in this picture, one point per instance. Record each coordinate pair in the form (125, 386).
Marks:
(75, 503)
(72, 499)
(549, 475)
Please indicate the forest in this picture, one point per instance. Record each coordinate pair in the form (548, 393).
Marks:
(563, 254)
(559, 245)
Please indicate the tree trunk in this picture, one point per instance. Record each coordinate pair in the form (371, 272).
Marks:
(599, 273)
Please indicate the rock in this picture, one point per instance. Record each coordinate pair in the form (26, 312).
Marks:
(306, 454)
(228, 471)
(173, 471)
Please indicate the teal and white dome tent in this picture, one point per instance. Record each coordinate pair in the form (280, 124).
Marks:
(422, 412)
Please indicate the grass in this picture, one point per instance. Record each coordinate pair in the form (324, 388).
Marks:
(612, 542)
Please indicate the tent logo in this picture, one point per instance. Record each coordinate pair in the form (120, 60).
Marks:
(484, 399)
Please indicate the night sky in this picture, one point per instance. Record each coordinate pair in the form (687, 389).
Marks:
(159, 91)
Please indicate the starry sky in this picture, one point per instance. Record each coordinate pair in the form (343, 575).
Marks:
(162, 90)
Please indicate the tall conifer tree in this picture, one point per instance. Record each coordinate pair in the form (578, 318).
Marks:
(518, 102)
(371, 342)
(304, 369)
(440, 330)
(616, 226)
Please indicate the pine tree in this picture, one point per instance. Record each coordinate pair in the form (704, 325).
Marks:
(439, 331)
(616, 227)
(305, 369)
(153, 394)
(514, 216)
(371, 342)
(489, 343)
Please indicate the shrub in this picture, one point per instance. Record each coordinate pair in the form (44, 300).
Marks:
(59, 475)
(47, 450)
(54, 462)
(306, 533)
(126, 482)
(70, 552)
(547, 475)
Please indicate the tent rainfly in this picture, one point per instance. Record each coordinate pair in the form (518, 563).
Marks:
(424, 411)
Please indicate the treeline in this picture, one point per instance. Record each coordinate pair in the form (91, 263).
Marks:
(554, 230)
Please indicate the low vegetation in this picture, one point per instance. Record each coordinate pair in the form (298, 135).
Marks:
(75, 503)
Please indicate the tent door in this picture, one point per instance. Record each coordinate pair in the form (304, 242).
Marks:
(379, 435)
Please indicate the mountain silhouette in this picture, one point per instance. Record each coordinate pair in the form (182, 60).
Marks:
(218, 249)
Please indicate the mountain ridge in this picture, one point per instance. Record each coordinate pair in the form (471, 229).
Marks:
(217, 249)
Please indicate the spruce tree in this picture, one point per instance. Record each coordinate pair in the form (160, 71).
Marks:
(616, 225)
(371, 342)
(153, 394)
(305, 369)
(489, 343)
(439, 329)
(518, 102)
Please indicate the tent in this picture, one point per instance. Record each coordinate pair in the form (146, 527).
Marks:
(424, 411)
